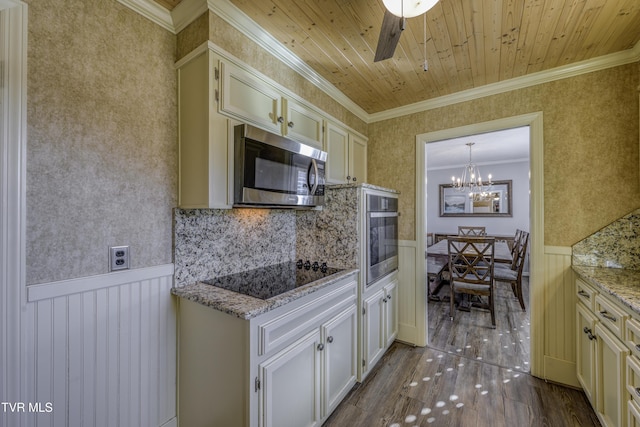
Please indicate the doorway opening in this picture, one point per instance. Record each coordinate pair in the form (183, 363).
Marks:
(536, 303)
(504, 156)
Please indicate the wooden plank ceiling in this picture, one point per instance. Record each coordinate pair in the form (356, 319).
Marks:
(469, 43)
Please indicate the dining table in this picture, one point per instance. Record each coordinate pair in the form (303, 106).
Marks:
(501, 251)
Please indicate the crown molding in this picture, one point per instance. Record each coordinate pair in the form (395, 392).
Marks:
(188, 10)
(249, 28)
(583, 67)
(152, 11)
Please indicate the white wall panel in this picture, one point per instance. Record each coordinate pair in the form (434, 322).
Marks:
(408, 327)
(559, 316)
(107, 356)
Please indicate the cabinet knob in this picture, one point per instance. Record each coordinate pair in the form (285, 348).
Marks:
(280, 119)
(354, 179)
(384, 299)
(290, 124)
(329, 339)
(348, 177)
(320, 347)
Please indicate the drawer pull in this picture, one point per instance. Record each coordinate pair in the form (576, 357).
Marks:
(638, 347)
(584, 294)
(608, 316)
(637, 390)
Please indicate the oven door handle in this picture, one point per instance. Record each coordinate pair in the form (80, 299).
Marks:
(313, 164)
(382, 214)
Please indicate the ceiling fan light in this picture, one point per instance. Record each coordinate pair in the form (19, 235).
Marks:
(410, 8)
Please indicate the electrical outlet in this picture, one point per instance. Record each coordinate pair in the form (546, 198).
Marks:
(118, 258)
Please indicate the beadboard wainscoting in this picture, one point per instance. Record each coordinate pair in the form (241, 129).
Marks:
(105, 349)
(559, 316)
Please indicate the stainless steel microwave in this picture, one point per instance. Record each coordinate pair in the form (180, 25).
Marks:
(273, 171)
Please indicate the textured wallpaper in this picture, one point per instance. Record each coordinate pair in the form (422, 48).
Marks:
(102, 131)
(591, 164)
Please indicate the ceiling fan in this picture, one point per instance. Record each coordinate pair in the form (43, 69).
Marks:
(396, 11)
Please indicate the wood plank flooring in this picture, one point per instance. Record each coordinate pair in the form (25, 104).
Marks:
(471, 335)
(464, 382)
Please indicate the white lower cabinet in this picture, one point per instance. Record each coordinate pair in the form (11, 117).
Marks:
(290, 385)
(304, 382)
(290, 366)
(611, 394)
(340, 357)
(607, 335)
(380, 321)
(586, 354)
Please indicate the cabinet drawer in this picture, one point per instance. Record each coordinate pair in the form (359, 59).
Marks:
(586, 293)
(292, 324)
(633, 378)
(633, 414)
(610, 316)
(632, 333)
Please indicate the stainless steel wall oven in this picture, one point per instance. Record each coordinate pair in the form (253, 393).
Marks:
(382, 235)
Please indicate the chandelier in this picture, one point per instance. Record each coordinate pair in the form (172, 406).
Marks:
(471, 181)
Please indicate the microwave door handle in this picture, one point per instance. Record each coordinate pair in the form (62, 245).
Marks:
(313, 164)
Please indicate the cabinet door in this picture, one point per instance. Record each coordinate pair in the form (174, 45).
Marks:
(340, 356)
(374, 342)
(586, 347)
(391, 312)
(290, 385)
(611, 395)
(249, 99)
(302, 124)
(357, 158)
(337, 147)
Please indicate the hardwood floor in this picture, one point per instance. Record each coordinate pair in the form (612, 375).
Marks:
(471, 335)
(464, 382)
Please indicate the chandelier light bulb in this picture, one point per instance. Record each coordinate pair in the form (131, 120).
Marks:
(408, 8)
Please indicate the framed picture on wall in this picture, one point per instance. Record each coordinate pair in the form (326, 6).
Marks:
(495, 201)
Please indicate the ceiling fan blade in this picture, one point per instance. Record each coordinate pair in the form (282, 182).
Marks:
(390, 31)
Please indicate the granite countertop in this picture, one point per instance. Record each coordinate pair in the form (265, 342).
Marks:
(247, 307)
(622, 284)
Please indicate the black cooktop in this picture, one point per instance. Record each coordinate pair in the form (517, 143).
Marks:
(268, 282)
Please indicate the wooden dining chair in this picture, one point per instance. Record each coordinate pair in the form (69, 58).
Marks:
(471, 265)
(513, 274)
(471, 230)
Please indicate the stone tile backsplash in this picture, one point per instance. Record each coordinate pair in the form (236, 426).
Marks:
(617, 245)
(211, 242)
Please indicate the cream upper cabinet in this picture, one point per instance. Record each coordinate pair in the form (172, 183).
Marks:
(302, 124)
(205, 174)
(347, 155)
(357, 158)
(247, 98)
